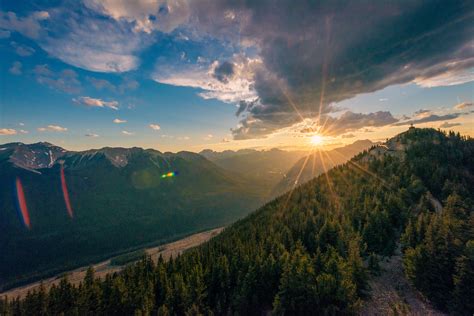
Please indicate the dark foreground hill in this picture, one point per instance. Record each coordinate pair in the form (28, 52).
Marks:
(312, 252)
(117, 199)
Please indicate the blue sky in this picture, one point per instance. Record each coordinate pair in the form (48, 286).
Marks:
(173, 74)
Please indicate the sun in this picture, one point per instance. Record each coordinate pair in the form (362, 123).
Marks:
(316, 140)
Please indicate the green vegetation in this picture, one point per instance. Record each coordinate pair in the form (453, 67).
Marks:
(310, 252)
(128, 257)
(116, 209)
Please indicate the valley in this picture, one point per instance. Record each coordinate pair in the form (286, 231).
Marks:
(76, 276)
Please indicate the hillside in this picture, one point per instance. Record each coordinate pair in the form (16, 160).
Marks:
(81, 207)
(316, 163)
(264, 168)
(313, 251)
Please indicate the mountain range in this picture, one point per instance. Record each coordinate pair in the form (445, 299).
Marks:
(316, 249)
(60, 209)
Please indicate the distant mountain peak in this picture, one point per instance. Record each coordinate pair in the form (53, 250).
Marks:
(33, 156)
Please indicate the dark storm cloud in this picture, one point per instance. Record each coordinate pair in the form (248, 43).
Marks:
(448, 125)
(431, 118)
(224, 71)
(350, 121)
(318, 52)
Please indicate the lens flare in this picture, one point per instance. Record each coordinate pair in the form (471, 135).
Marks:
(169, 174)
(67, 201)
(22, 209)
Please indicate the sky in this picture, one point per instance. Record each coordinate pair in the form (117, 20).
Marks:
(193, 74)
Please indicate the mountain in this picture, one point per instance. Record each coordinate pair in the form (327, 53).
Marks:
(264, 168)
(34, 156)
(315, 249)
(61, 209)
(317, 163)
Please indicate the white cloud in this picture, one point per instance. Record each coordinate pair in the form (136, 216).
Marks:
(21, 124)
(235, 88)
(128, 133)
(119, 121)
(52, 128)
(146, 15)
(92, 102)
(22, 131)
(7, 131)
(91, 42)
(92, 135)
(208, 137)
(155, 127)
(16, 68)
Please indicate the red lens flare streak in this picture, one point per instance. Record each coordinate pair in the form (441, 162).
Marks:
(23, 209)
(67, 201)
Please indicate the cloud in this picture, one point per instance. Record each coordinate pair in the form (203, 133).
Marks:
(350, 121)
(22, 50)
(226, 140)
(92, 102)
(128, 133)
(383, 99)
(430, 118)
(102, 84)
(78, 36)
(309, 63)
(7, 131)
(448, 125)
(155, 127)
(15, 69)
(208, 137)
(52, 128)
(463, 105)
(216, 84)
(224, 71)
(347, 136)
(22, 131)
(145, 15)
(92, 135)
(119, 121)
(28, 26)
(449, 78)
(65, 80)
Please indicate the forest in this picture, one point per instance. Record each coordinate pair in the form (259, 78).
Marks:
(314, 249)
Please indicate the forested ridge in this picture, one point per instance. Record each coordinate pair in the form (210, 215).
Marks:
(312, 250)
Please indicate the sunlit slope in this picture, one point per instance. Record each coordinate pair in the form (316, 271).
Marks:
(317, 162)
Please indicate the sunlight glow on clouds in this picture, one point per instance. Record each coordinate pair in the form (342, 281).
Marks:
(7, 131)
(52, 128)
